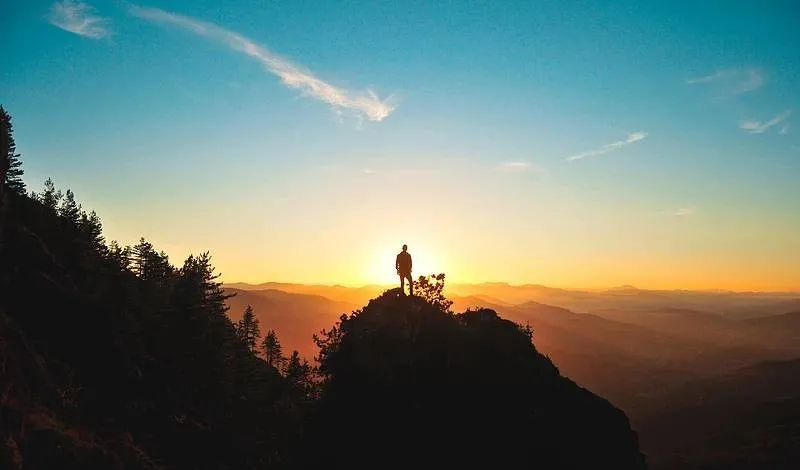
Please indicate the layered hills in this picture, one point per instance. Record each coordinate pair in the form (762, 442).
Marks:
(651, 358)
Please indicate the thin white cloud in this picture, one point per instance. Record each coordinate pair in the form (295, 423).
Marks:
(632, 137)
(735, 81)
(709, 78)
(756, 127)
(365, 103)
(784, 130)
(369, 171)
(684, 211)
(79, 18)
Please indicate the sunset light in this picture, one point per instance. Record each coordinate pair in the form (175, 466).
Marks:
(380, 267)
(308, 234)
(291, 160)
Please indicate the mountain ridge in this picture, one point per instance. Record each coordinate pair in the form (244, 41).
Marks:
(469, 372)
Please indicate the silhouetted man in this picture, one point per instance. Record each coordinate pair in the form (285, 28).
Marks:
(403, 266)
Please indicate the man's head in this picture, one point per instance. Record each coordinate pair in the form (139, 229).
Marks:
(405, 247)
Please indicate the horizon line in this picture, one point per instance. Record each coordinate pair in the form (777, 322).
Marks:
(792, 291)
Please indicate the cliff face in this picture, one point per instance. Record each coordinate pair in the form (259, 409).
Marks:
(409, 383)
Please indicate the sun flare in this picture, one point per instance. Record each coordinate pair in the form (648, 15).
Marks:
(380, 266)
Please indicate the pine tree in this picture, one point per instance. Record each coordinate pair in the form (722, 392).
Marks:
(200, 287)
(247, 329)
(120, 256)
(141, 254)
(273, 352)
(298, 372)
(159, 270)
(69, 209)
(10, 164)
(93, 230)
(50, 197)
(215, 296)
(145, 262)
(293, 365)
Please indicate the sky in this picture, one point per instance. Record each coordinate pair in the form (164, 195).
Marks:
(573, 144)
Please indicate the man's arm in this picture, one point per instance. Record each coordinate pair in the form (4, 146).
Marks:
(397, 263)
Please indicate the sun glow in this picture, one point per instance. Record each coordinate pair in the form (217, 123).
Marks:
(380, 266)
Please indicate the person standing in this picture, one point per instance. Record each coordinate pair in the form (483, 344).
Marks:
(403, 266)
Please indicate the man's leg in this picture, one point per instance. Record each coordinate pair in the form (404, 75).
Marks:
(410, 284)
(402, 284)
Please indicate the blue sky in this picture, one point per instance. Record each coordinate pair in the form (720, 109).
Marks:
(567, 143)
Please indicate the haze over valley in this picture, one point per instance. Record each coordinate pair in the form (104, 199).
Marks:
(713, 362)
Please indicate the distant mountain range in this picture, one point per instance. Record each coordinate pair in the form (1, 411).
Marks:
(652, 353)
(654, 334)
(294, 316)
(728, 303)
(745, 419)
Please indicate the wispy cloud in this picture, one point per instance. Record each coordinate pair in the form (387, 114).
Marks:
(784, 130)
(756, 127)
(365, 103)
(735, 81)
(684, 211)
(79, 18)
(632, 137)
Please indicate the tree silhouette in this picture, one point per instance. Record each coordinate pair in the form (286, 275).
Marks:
(120, 256)
(247, 329)
(273, 352)
(431, 289)
(141, 255)
(215, 296)
(92, 230)
(298, 372)
(10, 164)
(145, 261)
(198, 286)
(159, 269)
(114, 342)
(50, 197)
(69, 209)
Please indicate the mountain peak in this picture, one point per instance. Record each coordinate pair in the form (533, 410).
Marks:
(410, 379)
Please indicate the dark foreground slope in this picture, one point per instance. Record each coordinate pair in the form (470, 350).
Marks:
(410, 384)
(101, 368)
